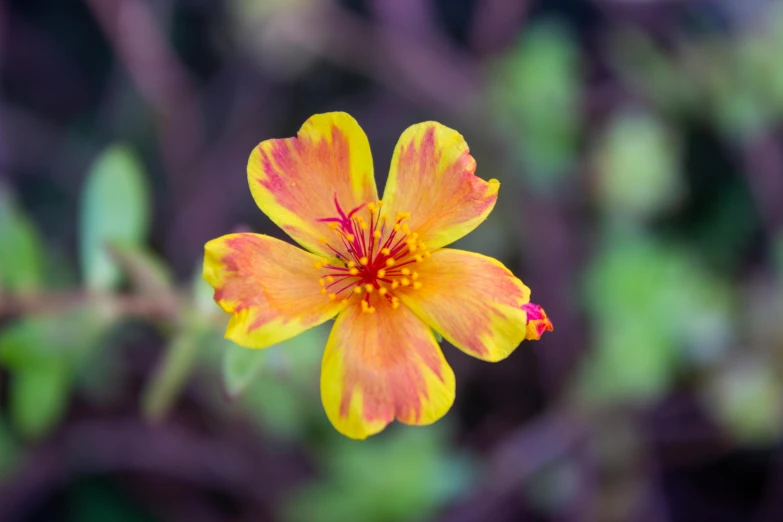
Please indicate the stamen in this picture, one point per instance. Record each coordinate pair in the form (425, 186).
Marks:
(370, 256)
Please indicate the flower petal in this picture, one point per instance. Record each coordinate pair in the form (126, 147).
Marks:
(269, 286)
(472, 300)
(537, 322)
(381, 366)
(295, 181)
(432, 177)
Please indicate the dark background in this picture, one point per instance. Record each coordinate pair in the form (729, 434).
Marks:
(638, 144)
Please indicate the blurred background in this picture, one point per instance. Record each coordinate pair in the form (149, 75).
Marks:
(638, 143)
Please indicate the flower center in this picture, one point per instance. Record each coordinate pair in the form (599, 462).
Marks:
(375, 255)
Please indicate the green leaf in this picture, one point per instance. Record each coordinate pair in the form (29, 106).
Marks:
(148, 274)
(638, 165)
(240, 365)
(746, 398)
(172, 373)
(21, 249)
(284, 397)
(114, 209)
(38, 397)
(68, 337)
(654, 309)
(535, 93)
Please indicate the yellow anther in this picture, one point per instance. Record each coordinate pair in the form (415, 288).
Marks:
(403, 215)
(427, 253)
(350, 237)
(331, 279)
(412, 246)
(380, 202)
(395, 284)
(318, 265)
(395, 302)
(390, 262)
(415, 276)
(322, 240)
(332, 296)
(321, 282)
(383, 291)
(372, 208)
(416, 285)
(419, 259)
(381, 273)
(351, 264)
(405, 271)
(376, 234)
(333, 225)
(357, 290)
(353, 271)
(323, 291)
(385, 251)
(364, 226)
(397, 228)
(371, 310)
(369, 288)
(405, 281)
(406, 228)
(364, 260)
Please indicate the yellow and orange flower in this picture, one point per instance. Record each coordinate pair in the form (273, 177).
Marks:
(379, 266)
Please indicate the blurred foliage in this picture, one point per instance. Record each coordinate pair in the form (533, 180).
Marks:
(654, 308)
(746, 397)
(402, 475)
(21, 251)
(114, 208)
(637, 163)
(535, 96)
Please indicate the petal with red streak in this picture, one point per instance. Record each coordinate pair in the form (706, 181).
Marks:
(433, 177)
(271, 288)
(537, 322)
(295, 181)
(473, 301)
(382, 366)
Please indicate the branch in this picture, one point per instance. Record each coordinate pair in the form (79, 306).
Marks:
(125, 305)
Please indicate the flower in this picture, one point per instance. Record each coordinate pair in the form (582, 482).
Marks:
(379, 266)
